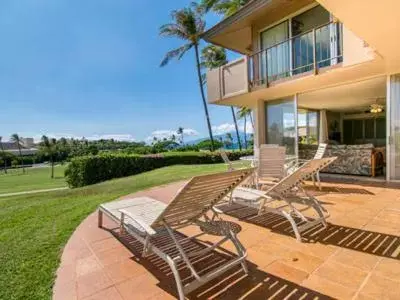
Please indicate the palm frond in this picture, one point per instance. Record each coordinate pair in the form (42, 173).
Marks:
(176, 53)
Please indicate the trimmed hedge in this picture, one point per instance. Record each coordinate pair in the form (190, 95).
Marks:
(87, 170)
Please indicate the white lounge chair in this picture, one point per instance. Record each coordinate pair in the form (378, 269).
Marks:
(270, 165)
(283, 198)
(147, 220)
(318, 155)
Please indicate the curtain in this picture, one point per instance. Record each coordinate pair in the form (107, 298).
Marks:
(323, 127)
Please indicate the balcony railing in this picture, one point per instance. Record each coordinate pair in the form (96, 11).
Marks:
(307, 52)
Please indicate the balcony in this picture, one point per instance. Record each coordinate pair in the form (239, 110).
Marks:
(303, 54)
(308, 52)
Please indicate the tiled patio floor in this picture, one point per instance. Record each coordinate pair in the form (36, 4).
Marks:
(356, 257)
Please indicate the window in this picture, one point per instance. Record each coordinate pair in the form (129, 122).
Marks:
(307, 126)
(362, 131)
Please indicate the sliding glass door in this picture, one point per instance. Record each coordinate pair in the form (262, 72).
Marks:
(281, 124)
(393, 119)
(276, 57)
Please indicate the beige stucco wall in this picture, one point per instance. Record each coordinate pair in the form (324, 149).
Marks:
(355, 50)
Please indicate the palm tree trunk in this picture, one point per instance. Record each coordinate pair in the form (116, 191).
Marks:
(245, 134)
(236, 128)
(251, 120)
(196, 48)
(52, 166)
(20, 157)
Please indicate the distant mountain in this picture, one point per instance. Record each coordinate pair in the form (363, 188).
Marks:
(223, 137)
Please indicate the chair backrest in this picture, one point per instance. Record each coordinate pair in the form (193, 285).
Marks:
(301, 174)
(226, 159)
(320, 151)
(271, 161)
(199, 195)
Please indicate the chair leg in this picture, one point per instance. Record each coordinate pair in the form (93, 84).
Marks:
(319, 181)
(294, 225)
(240, 249)
(100, 219)
(177, 277)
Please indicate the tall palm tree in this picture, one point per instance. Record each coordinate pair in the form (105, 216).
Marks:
(242, 114)
(223, 7)
(17, 139)
(213, 57)
(4, 155)
(48, 147)
(188, 25)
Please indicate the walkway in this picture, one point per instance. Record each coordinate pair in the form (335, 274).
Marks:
(356, 257)
(33, 192)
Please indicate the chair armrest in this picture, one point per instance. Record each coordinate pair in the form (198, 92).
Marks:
(255, 192)
(138, 220)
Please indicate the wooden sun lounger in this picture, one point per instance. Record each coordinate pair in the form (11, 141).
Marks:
(146, 218)
(285, 193)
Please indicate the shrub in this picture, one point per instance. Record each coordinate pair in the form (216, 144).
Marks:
(87, 170)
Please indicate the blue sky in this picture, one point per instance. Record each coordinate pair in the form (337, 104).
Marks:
(91, 68)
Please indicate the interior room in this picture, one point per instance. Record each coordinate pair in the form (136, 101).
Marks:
(352, 120)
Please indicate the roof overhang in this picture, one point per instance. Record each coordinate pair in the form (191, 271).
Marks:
(235, 32)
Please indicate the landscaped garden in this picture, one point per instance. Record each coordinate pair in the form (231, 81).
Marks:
(34, 228)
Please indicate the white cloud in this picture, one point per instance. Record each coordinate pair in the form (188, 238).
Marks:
(230, 127)
(223, 128)
(161, 134)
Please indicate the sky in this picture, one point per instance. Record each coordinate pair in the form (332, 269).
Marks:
(91, 69)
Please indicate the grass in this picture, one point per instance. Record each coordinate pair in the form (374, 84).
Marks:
(34, 179)
(34, 228)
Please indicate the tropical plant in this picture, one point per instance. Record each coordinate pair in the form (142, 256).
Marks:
(213, 57)
(3, 154)
(49, 148)
(223, 7)
(180, 132)
(228, 140)
(188, 25)
(17, 140)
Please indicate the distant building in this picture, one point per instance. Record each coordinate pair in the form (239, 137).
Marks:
(27, 147)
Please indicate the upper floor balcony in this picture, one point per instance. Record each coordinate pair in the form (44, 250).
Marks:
(303, 54)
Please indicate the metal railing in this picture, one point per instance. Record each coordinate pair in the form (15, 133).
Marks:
(309, 51)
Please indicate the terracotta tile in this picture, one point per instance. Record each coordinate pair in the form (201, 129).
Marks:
(66, 274)
(92, 283)
(348, 276)
(110, 293)
(106, 244)
(302, 261)
(328, 287)
(287, 272)
(141, 287)
(113, 256)
(389, 268)
(356, 259)
(87, 265)
(65, 290)
(381, 288)
(124, 270)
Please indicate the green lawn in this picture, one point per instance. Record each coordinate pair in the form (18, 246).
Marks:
(34, 228)
(33, 179)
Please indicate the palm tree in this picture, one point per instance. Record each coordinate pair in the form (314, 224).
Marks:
(223, 7)
(17, 139)
(48, 147)
(4, 155)
(213, 57)
(180, 132)
(243, 113)
(188, 25)
(228, 140)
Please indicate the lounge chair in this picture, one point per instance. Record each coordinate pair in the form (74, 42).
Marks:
(319, 154)
(148, 220)
(270, 165)
(284, 198)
